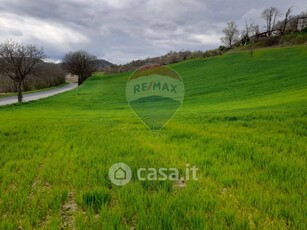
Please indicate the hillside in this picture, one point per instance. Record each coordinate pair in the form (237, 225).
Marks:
(103, 63)
(290, 39)
(243, 124)
(100, 63)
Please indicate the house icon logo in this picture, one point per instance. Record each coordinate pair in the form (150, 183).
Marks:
(120, 174)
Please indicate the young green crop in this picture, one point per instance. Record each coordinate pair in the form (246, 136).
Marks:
(243, 124)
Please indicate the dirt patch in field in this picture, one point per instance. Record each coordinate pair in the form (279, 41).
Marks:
(178, 185)
(39, 186)
(68, 211)
(37, 182)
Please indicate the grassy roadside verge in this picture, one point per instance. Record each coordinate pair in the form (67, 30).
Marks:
(32, 91)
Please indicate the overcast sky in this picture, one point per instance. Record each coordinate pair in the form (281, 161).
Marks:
(125, 30)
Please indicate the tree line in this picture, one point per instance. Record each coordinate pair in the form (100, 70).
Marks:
(169, 58)
(277, 24)
(22, 67)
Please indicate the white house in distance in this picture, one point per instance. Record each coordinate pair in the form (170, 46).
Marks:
(301, 23)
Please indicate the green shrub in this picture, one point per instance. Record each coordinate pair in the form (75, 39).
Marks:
(96, 199)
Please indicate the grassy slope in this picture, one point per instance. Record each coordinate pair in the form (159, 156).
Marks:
(243, 124)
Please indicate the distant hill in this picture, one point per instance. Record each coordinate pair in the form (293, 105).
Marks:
(101, 63)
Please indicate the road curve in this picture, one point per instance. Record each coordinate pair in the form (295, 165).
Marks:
(38, 95)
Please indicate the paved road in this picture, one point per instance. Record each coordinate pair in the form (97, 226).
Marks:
(38, 95)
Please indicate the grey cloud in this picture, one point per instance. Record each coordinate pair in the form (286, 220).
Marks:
(121, 31)
(15, 32)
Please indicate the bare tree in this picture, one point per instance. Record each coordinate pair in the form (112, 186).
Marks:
(300, 20)
(270, 15)
(286, 21)
(231, 34)
(255, 31)
(18, 61)
(80, 63)
(249, 34)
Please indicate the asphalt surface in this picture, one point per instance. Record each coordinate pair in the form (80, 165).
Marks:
(38, 95)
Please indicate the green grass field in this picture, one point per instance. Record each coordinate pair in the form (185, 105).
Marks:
(243, 124)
